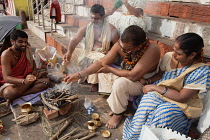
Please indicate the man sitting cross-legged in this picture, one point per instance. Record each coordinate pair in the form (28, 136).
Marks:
(140, 59)
(17, 74)
(99, 37)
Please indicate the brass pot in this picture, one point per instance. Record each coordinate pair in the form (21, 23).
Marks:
(91, 126)
(98, 122)
(105, 133)
(26, 107)
(95, 116)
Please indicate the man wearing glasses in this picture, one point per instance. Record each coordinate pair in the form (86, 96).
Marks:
(99, 37)
(140, 60)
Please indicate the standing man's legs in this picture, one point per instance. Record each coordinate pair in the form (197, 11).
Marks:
(118, 100)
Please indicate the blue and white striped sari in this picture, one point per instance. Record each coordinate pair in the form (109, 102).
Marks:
(154, 111)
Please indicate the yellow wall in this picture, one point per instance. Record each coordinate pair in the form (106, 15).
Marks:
(21, 5)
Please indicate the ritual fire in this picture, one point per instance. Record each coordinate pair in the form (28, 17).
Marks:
(57, 99)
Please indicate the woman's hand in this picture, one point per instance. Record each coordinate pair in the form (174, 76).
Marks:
(149, 88)
(71, 78)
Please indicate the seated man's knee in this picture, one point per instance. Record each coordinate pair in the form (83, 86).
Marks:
(10, 93)
(120, 82)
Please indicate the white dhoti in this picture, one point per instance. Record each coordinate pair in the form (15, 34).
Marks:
(3, 87)
(92, 79)
(122, 89)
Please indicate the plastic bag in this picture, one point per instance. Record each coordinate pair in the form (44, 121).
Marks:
(159, 133)
(55, 72)
(37, 60)
(47, 54)
(88, 105)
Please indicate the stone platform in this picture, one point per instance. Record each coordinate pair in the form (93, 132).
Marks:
(43, 128)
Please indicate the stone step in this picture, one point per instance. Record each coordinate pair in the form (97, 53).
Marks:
(61, 43)
(74, 20)
(37, 30)
(163, 26)
(83, 11)
(188, 11)
(105, 3)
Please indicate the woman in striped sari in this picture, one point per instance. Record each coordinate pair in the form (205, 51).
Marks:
(154, 110)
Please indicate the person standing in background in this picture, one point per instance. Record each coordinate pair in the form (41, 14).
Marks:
(55, 11)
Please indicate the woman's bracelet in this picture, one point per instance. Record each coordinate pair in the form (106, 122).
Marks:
(165, 91)
(23, 82)
(79, 75)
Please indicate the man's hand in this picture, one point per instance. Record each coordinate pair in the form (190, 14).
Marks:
(42, 74)
(104, 69)
(71, 78)
(143, 81)
(67, 57)
(30, 79)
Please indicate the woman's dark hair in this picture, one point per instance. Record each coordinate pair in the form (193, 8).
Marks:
(191, 42)
(18, 33)
(133, 34)
(97, 8)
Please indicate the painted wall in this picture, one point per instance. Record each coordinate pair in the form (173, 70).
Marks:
(14, 6)
(21, 5)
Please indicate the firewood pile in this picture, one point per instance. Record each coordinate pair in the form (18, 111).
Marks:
(57, 99)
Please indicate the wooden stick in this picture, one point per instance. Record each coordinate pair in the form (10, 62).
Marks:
(61, 130)
(46, 103)
(90, 135)
(69, 134)
(79, 135)
(72, 97)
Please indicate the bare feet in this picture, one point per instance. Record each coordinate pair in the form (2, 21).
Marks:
(114, 121)
(94, 87)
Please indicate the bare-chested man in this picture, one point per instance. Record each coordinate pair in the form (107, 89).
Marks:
(17, 75)
(140, 60)
(99, 37)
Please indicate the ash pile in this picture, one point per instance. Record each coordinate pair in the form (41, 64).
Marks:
(57, 100)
